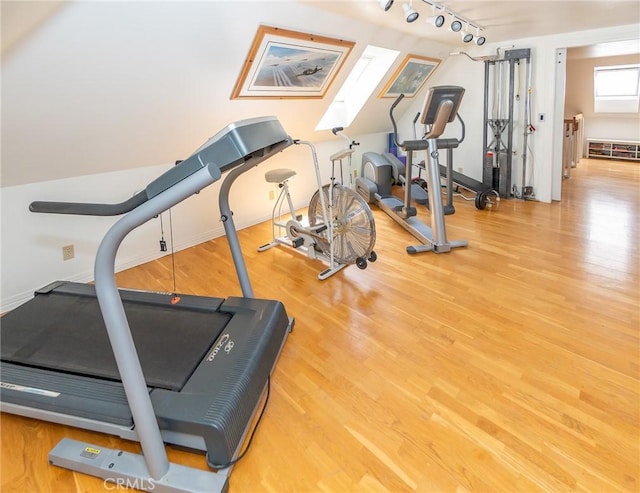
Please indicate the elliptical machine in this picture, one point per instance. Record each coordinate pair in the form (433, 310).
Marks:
(339, 228)
(440, 107)
(485, 196)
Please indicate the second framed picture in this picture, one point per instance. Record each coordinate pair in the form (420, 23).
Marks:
(410, 76)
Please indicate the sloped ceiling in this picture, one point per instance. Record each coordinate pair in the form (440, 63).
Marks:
(92, 87)
(102, 86)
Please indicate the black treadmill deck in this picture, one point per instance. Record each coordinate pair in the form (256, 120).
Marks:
(171, 339)
(214, 406)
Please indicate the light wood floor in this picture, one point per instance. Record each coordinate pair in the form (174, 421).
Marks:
(508, 366)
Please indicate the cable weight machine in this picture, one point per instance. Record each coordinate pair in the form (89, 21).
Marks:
(498, 131)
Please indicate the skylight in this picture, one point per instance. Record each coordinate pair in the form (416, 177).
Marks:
(358, 87)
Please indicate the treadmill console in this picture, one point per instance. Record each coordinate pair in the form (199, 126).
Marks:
(227, 149)
(233, 146)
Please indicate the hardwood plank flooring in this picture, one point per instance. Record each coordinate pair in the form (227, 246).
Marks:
(511, 365)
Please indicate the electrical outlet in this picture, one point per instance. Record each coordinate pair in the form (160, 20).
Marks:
(272, 195)
(460, 169)
(68, 252)
(355, 173)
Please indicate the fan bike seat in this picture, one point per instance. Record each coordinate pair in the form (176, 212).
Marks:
(279, 175)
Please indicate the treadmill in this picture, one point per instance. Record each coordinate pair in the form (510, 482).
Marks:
(148, 366)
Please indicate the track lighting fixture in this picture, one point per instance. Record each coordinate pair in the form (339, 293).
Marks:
(455, 26)
(386, 4)
(436, 20)
(466, 36)
(410, 14)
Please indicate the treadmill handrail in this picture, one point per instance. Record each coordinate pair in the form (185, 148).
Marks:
(89, 209)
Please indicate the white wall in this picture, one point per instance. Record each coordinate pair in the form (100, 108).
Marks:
(31, 247)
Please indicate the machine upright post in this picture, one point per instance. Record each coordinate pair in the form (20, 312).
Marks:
(498, 153)
(435, 202)
(504, 188)
(487, 164)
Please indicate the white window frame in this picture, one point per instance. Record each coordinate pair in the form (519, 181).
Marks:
(616, 103)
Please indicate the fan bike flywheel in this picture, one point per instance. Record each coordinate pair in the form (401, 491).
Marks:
(354, 231)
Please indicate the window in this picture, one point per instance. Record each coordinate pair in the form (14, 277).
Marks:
(616, 89)
(358, 87)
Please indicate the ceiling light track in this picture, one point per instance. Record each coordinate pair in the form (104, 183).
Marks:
(459, 24)
(455, 16)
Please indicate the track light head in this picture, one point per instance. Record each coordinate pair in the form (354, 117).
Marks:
(436, 20)
(410, 14)
(480, 40)
(386, 4)
(455, 26)
(465, 35)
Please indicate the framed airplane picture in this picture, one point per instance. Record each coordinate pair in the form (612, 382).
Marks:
(290, 64)
(411, 75)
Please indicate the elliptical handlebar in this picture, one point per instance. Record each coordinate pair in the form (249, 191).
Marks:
(452, 141)
(405, 145)
(393, 120)
(463, 127)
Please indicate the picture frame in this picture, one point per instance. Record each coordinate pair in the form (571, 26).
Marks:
(410, 76)
(290, 64)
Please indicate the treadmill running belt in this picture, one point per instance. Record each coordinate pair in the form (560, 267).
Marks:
(72, 337)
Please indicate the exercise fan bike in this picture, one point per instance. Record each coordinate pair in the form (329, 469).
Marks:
(339, 228)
